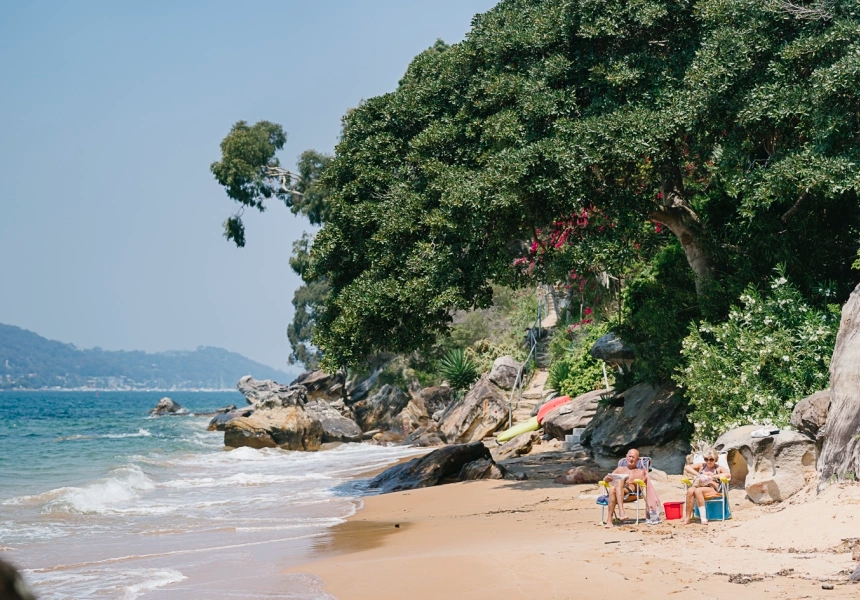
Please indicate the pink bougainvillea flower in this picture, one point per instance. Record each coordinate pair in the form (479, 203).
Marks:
(587, 311)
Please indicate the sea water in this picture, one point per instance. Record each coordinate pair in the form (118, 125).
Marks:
(99, 500)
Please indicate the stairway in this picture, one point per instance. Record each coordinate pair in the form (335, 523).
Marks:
(532, 396)
(542, 357)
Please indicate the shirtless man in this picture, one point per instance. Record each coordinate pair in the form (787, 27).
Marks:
(621, 487)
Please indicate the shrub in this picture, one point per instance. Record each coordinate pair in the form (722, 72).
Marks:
(576, 371)
(458, 369)
(752, 369)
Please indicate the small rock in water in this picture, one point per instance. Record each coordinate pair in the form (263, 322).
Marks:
(166, 406)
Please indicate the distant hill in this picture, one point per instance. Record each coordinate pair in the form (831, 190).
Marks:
(29, 361)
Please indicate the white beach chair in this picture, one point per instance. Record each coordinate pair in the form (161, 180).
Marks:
(723, 511)
(644, 462)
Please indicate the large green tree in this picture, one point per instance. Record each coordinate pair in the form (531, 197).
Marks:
(733, 123)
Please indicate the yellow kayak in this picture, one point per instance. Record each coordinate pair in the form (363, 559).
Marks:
(508, 434)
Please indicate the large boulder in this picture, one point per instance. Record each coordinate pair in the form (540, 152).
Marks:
(412, 417)
(610, 349)
(505, 371)
(483, 412)
(838, 441)
(770, 468)
(440, 466)
(321, 385)
(167, 406)
(578, 475)
(436, 399)
(265, 393)
(483, 468)
(577, 413)
(810, 413)
(219, 421)
(516, 446)
(335, 427)
(378, 411)
(651, 419)
(287, 427)
(424, 436)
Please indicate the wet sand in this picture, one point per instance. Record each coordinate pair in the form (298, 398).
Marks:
(537, 539)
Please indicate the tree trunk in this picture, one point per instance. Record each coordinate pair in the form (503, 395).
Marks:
(839, 440)
(679, 217)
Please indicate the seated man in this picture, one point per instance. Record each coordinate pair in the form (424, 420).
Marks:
(623, 485)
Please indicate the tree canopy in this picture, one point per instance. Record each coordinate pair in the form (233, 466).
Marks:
(561, 133)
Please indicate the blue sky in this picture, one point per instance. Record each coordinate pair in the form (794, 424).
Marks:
(111, 113)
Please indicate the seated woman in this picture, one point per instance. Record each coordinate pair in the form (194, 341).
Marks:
(706, 484)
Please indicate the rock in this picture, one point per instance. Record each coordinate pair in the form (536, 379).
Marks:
(225, 409)
(810, 413)
(838, 440)
(220, 421)
(483, 412)
(578, 475)
(265, 393)
(335, 427)
(424, 437)
(772, 468)
(287, 427)
(440, 466)
(855, 576)
(321, 385)
(436, 399)
(517, 446)
(505, 371)
(166, 406)
(577, 413)
(361, 390)
(483, 468)
(379, 410)
(610, 349)
(412, 417)
(651, 419)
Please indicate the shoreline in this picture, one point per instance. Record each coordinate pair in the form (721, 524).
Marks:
(537, 539)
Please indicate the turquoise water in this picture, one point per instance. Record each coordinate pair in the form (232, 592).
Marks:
(99, 500)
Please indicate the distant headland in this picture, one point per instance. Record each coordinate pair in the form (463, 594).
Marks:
(29, 361)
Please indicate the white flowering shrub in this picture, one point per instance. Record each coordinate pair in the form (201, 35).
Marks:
(773, 351)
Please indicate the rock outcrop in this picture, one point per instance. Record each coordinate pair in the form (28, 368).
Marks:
(424, 437)
(436, 399)
(810, 414)
(651, 419)
(483, 468)
(335, 427)
(265, 393)
(287, 427)
(578, 475)
(610, 349)
(771, 468)
(483, 412)
(838, 441)
(320, 385)
(505, 371)
(412, 417)
(378, 411)
(516, 446)
(166, 406)
(440, 466)
(219, 421)
(577, 413)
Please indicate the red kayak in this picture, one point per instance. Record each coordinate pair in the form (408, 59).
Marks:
(554, 403)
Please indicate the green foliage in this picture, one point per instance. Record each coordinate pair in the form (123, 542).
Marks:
(576, 371)
(660, 302)
(311, 201)
(733, 123)
(458, 369)
(774, 350)
(483, 353)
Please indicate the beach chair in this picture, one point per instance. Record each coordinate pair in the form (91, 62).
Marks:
(717, 508)
(644, 463)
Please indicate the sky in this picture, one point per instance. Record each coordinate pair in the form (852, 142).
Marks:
(110, 115)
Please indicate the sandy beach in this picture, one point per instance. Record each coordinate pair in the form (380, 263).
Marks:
(538, 539)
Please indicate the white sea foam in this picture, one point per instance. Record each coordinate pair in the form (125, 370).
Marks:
(127, 584)
(124, 485)
(117, 436)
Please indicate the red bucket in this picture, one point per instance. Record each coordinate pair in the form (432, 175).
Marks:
(673, 510)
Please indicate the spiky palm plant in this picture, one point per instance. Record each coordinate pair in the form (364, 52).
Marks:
(458, 369)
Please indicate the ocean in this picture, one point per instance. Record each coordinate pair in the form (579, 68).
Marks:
(99, 500)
